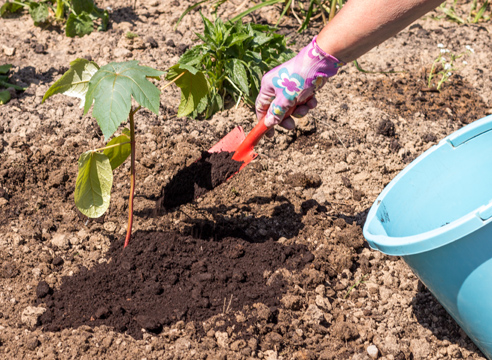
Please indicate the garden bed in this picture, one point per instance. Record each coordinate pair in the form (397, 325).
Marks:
(270, 264)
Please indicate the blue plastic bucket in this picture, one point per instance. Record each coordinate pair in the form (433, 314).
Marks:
(437, 215)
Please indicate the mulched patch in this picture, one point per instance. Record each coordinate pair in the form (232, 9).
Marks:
(162, 278)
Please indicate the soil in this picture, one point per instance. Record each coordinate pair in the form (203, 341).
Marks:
(208, 172)
(287, 227)
(132, 291)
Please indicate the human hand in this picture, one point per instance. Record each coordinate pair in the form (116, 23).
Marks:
(289, 88)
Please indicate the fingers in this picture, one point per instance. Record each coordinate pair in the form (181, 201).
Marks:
(288, 123)
(263, 101)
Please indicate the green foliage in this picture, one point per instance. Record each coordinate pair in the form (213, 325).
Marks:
(4, 83)
(302, 10)
(118, 149)
(75, 81)
(131, 35)
(93, 185)
(475, 13)
(111, 89)
(4, 97)
(231, 60)
(193, 85)
(80, 17)
(445, 65)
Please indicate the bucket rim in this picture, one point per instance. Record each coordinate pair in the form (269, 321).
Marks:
(448, 233)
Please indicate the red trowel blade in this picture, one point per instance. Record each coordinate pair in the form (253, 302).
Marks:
(231, 142)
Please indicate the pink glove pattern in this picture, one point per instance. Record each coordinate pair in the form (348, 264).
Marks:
(294, 82)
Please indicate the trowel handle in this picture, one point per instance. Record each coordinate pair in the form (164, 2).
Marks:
(255, 135)
(252, 139)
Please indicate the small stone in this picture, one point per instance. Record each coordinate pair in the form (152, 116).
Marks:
(182, 345)
(61, 241)
(323, 302)
(341, 167)
(32, 343)
(313, 314)
(9, 51)
(222, 339)
(30, 315)
(110, 226)
(420, 348)
(270, 355)
(122, 52)
(372, 351)
(39, 49)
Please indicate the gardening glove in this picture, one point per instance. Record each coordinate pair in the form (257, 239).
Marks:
(292, 85)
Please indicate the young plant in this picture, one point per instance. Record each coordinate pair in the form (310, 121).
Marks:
(231, 61)
(4, 83)
(111, 89)
(476, 13)
(444, 65)
(80, 15)
(326, 9)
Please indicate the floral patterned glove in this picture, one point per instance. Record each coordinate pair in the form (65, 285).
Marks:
(294, 83)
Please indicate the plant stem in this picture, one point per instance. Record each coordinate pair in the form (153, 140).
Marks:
(173, 80)
(60, 10)
(132, 180)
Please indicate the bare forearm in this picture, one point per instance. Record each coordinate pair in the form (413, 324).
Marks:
(364, 24)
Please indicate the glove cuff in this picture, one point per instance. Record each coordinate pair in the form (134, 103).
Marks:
(327, 57)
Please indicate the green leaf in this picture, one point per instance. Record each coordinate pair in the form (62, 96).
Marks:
(188, 9)
(193, 88)
(111, 89)
(4, 97)
(480, 12)
(254, 8)
(5, 68)
(237, 38)
(39, 12)
(237, 73)
(79, 25)
(7, 85)
(118, 154)
(80, 6)
(192, 56)
(9, 7)
(75, 81)
(104, 21)
(93, 185)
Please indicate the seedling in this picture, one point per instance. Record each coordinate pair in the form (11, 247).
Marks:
(79, 14)
(131, 35)
(444, 65)
(111, 89)
(231, 61)
(362, 280)
(4, 83)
